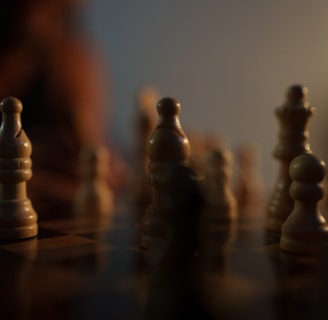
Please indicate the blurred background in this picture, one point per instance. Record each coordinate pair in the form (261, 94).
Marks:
(229, 63)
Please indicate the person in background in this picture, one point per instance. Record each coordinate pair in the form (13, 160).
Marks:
(48, 63)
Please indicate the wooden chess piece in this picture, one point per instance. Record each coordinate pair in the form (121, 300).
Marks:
(94, 197)
(168, 230)
(18, 220)
(293, 141)
(144, 122)
(220, 201)
(200, 145)
(219, 214)
(249, 187)
(305, 231)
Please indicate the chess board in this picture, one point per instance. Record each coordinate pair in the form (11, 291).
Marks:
(92, 269)
(74, 269)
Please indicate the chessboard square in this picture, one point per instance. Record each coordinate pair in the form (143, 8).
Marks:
(27, 248)
(121, 237)
(123, 262)
(12, 260)
(75, 226)
(62, 283)
(58, 247)
(85, 261)
(48, 233)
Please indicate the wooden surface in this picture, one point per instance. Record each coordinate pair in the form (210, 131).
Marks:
(92, 269)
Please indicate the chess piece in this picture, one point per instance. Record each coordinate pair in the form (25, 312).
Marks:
(293, 141)
(249, 187)
(168, 230)
(18, 220)
(220, 201)
(200, 145)
(305, 231)
(94, 197)
(219, 213)
(145, 122)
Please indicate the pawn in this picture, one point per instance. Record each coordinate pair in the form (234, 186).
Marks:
(249, 187)
(18, 220)
(305, 231)
(220, 201)
(168, 229)
(94, 196)
(217, 228)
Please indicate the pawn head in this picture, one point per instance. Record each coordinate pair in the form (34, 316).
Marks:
(11, 105)
(168, 107)
(307, 168)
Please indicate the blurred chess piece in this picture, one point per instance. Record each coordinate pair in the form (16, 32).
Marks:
(249, 186)
(93, 196)
(219, 213)
(220, 201)
(169, 227)
(200, 144)
(18, 220)
(305, 232)
(144, 121)
(293, 117)
(197, 141)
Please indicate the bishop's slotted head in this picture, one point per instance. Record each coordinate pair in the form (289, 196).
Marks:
(168, 143)
(18, 220)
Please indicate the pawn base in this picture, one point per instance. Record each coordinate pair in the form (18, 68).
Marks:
(308, 244)
(18, 220)
(19, 233)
